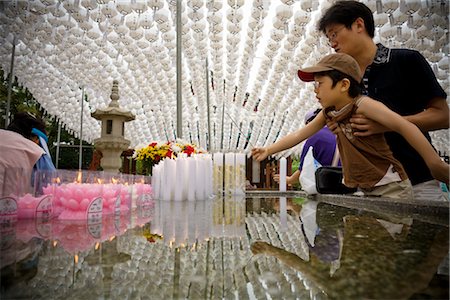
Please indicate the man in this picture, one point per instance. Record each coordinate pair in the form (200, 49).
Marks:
(400, 78)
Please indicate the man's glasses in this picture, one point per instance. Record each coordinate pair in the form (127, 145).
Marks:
(332, 35)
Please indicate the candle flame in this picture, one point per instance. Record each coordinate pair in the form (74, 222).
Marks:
(112, 238)
(79, 176)
(75, 258)
(97, 246)
(55, 243)
(113, 180)
(57, 180)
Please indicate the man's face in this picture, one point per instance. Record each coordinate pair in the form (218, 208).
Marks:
(341, 38)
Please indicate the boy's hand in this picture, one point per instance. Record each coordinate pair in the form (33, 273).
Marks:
(440, 171)
(259, 154)
(365, 126)
(260, 247)
(276, 178)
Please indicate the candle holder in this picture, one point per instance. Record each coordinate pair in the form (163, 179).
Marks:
(39, 203)
(78, 195)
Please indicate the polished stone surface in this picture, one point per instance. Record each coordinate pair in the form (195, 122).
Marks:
(264, 246)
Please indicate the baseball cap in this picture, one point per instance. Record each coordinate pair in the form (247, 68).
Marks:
(310, 115)
(337, 61)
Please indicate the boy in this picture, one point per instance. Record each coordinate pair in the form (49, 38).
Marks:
(367, 161)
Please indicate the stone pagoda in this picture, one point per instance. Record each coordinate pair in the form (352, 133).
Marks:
(112, 142)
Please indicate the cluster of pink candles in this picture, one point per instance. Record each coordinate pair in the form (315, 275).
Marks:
(71, 195)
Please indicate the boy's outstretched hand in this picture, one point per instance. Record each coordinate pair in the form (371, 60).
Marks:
(259, 154)
(440, 171)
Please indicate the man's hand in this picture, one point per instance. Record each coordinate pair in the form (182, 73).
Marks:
(364, 126)
(260, 154)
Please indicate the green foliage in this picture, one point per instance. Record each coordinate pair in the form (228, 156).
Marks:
(23, 100)
(295, 164)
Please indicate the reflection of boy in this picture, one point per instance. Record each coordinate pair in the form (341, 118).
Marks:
(371, 257)
(367, 161)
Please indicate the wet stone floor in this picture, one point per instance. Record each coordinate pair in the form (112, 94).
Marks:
(232, 248)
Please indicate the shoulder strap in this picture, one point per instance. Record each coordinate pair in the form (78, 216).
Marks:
(336, 157)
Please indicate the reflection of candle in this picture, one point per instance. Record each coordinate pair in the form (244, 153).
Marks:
(283, 213)
(283, 174)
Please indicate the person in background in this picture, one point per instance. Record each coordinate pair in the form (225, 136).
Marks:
(367, 162)
(324, 147)
(401, 79)
(23, 151)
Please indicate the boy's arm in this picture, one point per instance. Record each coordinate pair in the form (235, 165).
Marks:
(291, 139)
(380, 113)
(435, 117)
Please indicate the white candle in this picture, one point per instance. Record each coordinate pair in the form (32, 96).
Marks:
(156, 181)
(209, 176)
(201, 178)
(283, 171)
(171, 177)
(229, 180)
(218, 173)
(240, 174)
(180, 179)
(192, 173)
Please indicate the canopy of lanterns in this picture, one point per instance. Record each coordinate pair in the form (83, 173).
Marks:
(242, 56)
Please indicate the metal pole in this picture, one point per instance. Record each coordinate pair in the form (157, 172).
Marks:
(179, 87)
(10, 79)
(208, 108)
(58, 143)
(223, 122)
(80, 158)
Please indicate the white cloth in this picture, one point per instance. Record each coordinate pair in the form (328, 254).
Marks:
(430, 191)
(18, 156)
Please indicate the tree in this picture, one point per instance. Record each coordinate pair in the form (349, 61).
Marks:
(23, 100)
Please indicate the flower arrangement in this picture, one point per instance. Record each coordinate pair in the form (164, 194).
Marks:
(154, 152)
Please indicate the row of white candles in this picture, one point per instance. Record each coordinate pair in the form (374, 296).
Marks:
(199, 177)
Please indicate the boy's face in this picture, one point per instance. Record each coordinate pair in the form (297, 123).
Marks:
(325, 92)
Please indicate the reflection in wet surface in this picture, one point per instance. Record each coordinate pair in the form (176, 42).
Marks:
(228, 249)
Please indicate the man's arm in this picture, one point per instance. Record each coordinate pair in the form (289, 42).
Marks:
(380, 113)
(434, 117)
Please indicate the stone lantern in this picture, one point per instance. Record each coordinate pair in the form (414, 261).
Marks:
(112, 142)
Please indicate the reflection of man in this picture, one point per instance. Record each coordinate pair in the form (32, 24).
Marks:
(375, 262)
